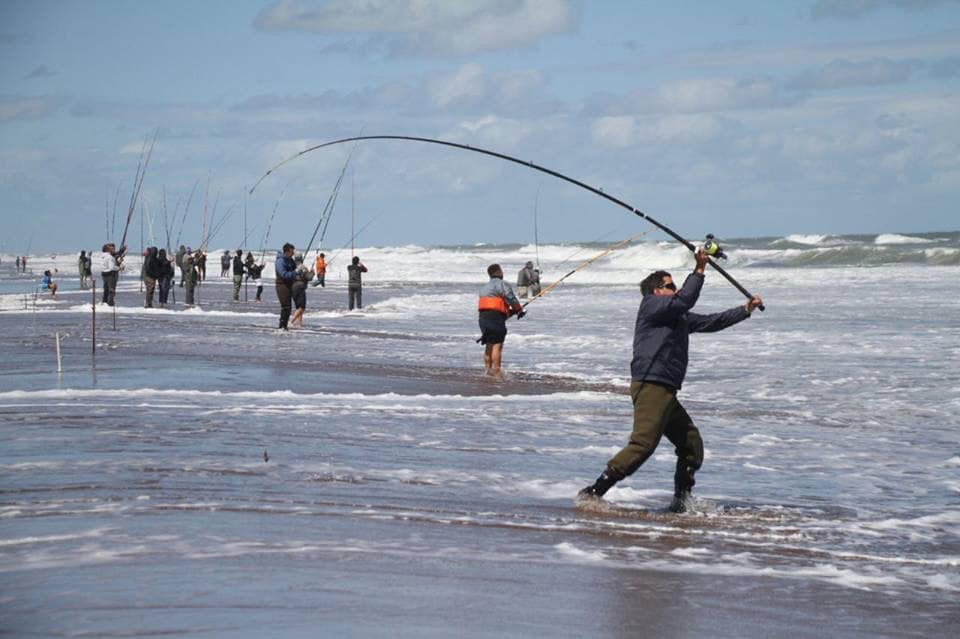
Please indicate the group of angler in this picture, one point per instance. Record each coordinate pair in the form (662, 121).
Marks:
(191, 275)
(293, 277)
(21, 264)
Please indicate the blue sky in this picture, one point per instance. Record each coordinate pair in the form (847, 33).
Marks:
(737, 118)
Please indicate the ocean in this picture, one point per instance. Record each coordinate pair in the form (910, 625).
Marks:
(203, 474)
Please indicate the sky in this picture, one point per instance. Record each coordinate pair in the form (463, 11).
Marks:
(738, 118)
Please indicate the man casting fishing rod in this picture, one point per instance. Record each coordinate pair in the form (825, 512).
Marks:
(660, 343)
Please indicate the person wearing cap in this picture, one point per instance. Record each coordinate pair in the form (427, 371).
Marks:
(526, 278)
(286, 270)
(355, 282)
(497, 303)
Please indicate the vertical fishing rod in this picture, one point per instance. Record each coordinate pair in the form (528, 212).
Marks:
(113, 222)
(353, 209)
(203, 224)
(166, 219)
(141, 246)
(328, 207)
(186, 209)
(587, 263)
(354, 236)
(138, 184)
(243, 243)
(222, 222)
(536, 234)
(266, 232)
(151, 233)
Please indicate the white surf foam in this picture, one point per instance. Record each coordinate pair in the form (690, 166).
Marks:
(894, 238)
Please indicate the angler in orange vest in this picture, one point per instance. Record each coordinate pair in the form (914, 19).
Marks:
(321, 270)
(497, 303)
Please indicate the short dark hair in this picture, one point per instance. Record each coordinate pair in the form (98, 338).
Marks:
(287, 247)
(239, 252)
(652, 281)
(494, 269)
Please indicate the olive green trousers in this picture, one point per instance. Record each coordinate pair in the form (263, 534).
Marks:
(656, 412)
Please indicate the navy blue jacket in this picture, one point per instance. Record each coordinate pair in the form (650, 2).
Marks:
(286, 268)
(661, 337)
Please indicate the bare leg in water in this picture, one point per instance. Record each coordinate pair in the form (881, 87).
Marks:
(492, 356)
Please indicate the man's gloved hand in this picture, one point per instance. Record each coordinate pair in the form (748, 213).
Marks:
(520, 314)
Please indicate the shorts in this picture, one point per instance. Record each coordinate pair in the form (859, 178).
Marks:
(493, 327)
(299, 297)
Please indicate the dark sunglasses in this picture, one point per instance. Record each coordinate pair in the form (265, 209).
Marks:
(670, 286)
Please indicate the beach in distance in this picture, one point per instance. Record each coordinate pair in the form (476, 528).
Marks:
(205, 474)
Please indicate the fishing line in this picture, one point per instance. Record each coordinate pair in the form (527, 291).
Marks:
(587, 263)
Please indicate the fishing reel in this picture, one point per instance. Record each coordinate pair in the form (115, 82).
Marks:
(712, 248)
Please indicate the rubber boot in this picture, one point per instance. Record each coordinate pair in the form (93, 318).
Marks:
(599, 488)
(683, 482)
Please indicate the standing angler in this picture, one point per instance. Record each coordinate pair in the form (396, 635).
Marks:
(178, 260)
(660, 343)
(82, 268)
(110, 271)
(189, 275)
(238, 268)
(497, 302)
(286, 270)
(224, 263)
(355, 282)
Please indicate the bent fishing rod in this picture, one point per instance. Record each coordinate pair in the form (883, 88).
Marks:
(663, 227)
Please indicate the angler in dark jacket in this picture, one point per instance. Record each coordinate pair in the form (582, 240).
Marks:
(286, 270)
(179, 261)
(253, 273)
(355, 282)
(660, 356)
(190, 276)
(151, 273)
(165, 276)
(238, 269)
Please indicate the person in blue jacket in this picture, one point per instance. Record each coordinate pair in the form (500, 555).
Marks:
(660, 356)
(47, 283)
(286, 270)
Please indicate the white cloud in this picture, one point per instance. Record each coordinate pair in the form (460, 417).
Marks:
(466, 84)
(844, 73)
(28, 108)
(614, 131)
(426, 26)
(716, 94)
(854, 9)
